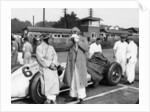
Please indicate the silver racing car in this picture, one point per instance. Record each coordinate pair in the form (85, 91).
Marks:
(25, 79)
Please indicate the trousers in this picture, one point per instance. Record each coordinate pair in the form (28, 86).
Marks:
(130, 71)
(77, 91)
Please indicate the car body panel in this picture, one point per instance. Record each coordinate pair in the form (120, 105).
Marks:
(20, 82)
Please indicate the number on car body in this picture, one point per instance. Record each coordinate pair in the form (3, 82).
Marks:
(26, 71)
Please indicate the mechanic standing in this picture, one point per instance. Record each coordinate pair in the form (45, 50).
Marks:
(75, 75)
(47, 59)
(131, 60)
(95, 47)
(14, 51)
(27, 50)
(120, 50)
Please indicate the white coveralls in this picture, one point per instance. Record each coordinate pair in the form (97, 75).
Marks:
(120, 55)
(27, 49)
(46, 55)
(95, 48)
(130, 67)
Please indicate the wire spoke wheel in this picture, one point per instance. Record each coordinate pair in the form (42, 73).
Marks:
(114, 73)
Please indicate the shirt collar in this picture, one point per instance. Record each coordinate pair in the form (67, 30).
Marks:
(44, 44)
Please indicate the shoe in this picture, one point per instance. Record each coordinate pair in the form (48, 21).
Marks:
(123, 76)
(95, 84)
(71, 99)
(80, 101)
(128, 83)
(47, 101)
(53, 102)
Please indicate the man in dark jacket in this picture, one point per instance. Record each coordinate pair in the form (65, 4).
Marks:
(76, 71)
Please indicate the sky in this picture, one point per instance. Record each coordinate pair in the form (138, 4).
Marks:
(123, 17)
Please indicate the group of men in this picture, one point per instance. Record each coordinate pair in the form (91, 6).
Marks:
(27, 51)
(125, 53)
(75, 75)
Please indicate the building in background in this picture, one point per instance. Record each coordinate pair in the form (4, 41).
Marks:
(90, 27)
(133, 30)
(59, 34)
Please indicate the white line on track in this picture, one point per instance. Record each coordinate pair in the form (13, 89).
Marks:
(129, 86)
(99, 95)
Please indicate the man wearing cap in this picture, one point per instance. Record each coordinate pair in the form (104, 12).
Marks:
(120, 49)
(75, 75)
(14, 51)
(131, 60)
(95, 47)
(47, 59)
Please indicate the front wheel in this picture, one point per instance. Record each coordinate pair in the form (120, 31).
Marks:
(35, 89)
(114, 73)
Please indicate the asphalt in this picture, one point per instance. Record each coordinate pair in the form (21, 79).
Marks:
(102, 94)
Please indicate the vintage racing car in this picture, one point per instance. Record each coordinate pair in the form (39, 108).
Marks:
(25, 79)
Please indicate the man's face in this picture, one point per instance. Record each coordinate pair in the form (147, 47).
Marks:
(74, 32)
(50, 41)
(123, 39)
(128, 41)
(98, 42)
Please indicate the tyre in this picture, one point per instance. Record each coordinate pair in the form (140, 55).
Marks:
(114, 73)
(35, 89)
(15, 67)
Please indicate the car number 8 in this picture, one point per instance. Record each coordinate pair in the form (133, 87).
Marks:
(26, 72)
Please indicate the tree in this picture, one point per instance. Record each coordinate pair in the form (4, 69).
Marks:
(28, 23)
(17, 26)
(72, 21)
(47, 24)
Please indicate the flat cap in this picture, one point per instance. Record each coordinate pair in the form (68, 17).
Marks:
(124, 36)
(45, 36)
(130, 38)
(75, 29)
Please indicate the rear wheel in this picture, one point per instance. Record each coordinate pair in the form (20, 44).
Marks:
(35, 89)
(114, 72)
(15, 67)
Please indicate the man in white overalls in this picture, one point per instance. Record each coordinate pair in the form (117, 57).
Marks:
(131, 60)
(120, 50)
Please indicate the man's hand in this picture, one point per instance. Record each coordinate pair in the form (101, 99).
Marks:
(72, 39)
(128, 59)
(76, 39)
(52, 66)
